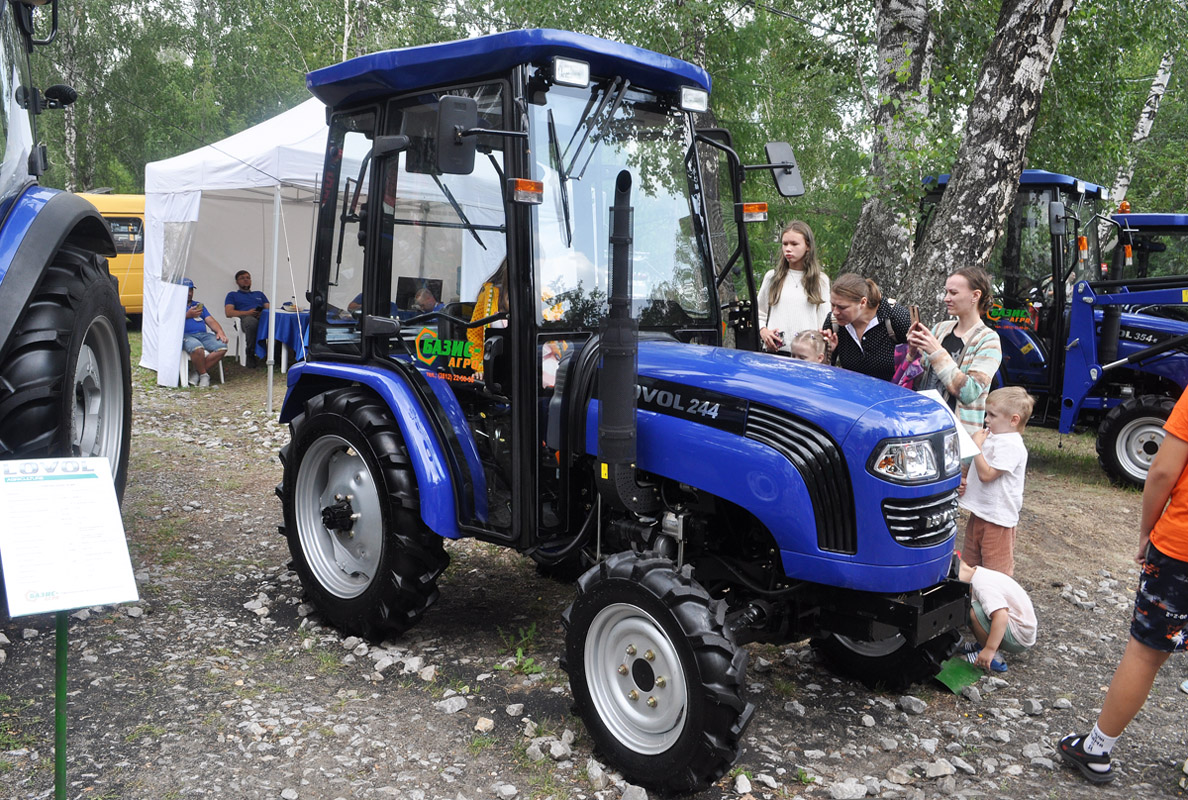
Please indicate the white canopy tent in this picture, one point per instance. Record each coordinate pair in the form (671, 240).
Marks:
(246, 202)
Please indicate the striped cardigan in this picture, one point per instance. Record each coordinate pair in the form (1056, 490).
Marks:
(968, 381)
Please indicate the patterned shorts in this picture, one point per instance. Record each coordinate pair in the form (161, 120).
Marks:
(1161, 603)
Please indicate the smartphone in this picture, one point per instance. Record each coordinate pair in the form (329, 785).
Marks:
(914, 311)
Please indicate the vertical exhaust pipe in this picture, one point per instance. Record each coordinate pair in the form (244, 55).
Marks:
(619, 345)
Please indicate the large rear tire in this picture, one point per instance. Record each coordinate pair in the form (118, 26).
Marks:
(1130, 436)
(65, 374)
(655, 673)
(350, 501)
(885, 664)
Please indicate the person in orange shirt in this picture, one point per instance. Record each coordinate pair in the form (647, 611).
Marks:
(1159, 626)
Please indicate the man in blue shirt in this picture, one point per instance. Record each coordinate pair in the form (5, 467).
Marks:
(205, 348)
(245, 305)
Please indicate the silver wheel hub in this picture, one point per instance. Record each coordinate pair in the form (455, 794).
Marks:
(338, 516)
(97, 392)
(1138, 442)
(636, 678)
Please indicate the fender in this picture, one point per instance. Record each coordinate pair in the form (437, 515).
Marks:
(37, 224)
(435, 483)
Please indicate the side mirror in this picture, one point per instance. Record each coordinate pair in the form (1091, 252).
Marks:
(455, 151)
(784, 170)
(1056, 224)
(60, 95)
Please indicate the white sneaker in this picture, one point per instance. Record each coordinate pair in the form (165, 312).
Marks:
(193, 379)
(204, 381)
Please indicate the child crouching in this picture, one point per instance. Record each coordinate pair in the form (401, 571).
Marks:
(994, 489)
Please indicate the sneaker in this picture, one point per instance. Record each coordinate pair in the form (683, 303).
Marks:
(204, 381)
(996, 664)
(193, 379)
(1072, 750)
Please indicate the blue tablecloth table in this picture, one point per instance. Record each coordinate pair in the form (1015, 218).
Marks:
(292, 330)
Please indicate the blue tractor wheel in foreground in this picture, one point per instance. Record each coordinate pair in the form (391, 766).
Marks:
(350, 502)
(655, 672)
(65, 373)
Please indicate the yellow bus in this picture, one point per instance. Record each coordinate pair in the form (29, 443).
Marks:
(125, 214)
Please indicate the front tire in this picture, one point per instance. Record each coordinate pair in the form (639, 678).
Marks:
(1130, 436)
(65, 375)
(655, 673)
(885, 664)
(350, 501)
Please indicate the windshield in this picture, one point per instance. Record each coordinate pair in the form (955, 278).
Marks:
(581, 140)
(16, 133)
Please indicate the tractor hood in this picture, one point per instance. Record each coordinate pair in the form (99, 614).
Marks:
(838, 401)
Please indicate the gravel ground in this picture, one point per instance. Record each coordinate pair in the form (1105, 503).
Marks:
(221, 682)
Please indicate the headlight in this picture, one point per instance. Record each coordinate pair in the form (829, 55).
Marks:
(952, 454)
(907, 461)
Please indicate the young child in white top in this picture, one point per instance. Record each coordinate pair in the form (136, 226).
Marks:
(1002, 616)
(994, 489)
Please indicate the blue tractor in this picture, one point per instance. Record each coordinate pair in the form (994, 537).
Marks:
(516, 337)
(1098, 343)
(64, 363)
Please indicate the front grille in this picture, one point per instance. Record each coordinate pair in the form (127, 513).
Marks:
(821, 465)
(922, 521)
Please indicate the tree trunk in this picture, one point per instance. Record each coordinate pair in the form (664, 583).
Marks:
(882, 241)
(965, 225)
(1142, 129)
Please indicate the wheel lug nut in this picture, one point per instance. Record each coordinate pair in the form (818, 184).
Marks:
(630, 649)
(633, 695)
(622, 669)
(651, 702)
(650, 656)
(661, 681)
(338, 497)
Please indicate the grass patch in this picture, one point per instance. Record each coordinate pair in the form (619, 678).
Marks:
(15, 722)
(479, 743)
(141, 731)
(1072, 456)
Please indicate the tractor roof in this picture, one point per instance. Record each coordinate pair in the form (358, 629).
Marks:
(1041, 177)
(412, 68)
(1153, 223)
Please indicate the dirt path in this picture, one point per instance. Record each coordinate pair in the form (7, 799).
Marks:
(221, 683)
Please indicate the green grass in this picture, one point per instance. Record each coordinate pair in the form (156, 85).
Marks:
(1072, 456)
(479, 743)
(15, 722)
(141, 731)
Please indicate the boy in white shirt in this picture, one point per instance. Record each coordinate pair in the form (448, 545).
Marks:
(1002, 616)
(994, 489)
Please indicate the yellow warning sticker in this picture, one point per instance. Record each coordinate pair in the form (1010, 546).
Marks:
(1027, 348)
(605, 473)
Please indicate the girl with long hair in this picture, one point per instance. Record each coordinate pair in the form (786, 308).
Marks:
(792, 296)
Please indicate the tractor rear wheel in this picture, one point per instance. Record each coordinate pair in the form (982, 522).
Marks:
(366, 560)
(1129, 438)
(888, 663)
(655, 673)
(65, 374)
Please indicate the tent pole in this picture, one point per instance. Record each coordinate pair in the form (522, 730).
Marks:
(276, 217)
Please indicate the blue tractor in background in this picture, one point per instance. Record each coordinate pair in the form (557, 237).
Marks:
(1097, 342)
(65, 385)
(516, 337)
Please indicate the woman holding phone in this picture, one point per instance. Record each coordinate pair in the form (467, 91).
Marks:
(792, 296)
(961, 355)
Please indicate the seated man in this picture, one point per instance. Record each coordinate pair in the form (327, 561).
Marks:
(246, 305)
(424, 301)
(206, 349)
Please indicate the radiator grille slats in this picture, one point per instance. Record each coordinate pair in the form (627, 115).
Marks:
(922, 521)
(820, 463)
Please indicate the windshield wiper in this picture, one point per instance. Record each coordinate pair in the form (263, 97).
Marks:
(596, 122)
(458, 210)
(555, 146)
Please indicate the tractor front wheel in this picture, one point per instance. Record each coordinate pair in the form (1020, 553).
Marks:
(1129, 438)
(655, 673)
(366, 560)
(887, 663)
(65, 374)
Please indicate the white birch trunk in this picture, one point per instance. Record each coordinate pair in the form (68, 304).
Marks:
(1142, 128)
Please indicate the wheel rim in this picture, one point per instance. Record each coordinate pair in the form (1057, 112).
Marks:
(636, 678)
(97, 425)
(876, 649)
(332, 473)
(1138, 442)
